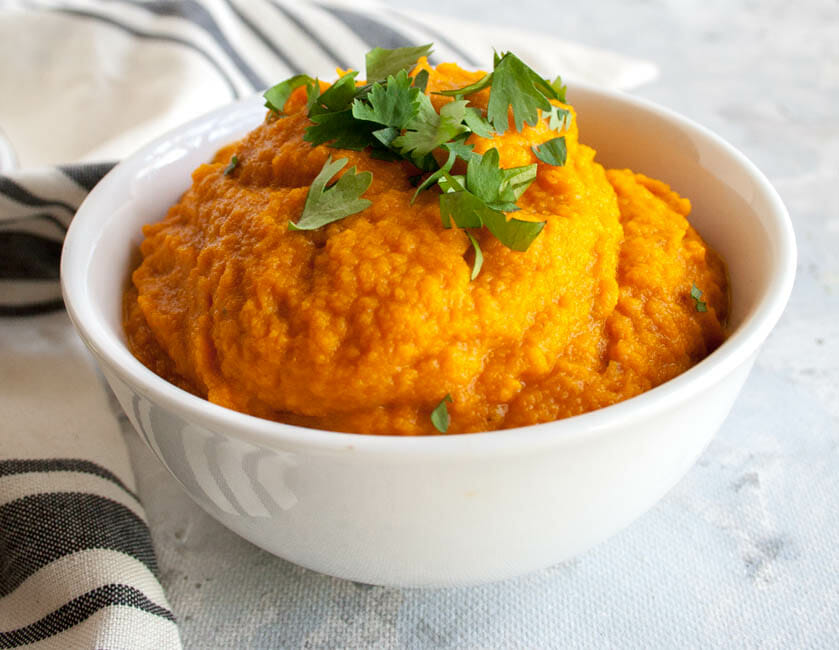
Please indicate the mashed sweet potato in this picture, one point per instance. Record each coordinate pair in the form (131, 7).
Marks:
(365, 324)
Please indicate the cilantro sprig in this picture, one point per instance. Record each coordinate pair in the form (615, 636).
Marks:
(552, 152)
(482, 197)
(277, 96)
(516, 86)
(392, 117)
(341, 199)
(382, 63)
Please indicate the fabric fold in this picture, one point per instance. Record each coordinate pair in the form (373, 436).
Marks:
(75, 546)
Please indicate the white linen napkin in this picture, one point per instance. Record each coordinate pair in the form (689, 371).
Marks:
(83, 82)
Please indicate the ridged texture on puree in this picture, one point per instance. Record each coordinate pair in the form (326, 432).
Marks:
(366, 324)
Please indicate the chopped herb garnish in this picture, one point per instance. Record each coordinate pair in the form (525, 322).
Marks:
(421, 80)
(487, 193)
(471, 89)
(516, 181)
(231, 165)
(277, 96)
(341, 199)
(559, 89)
(552, 152)
(696, 294)
(337, 97)
(382, 63)
(477, 122)
(312, 94)
(482, 197)
(460, 149)
(339, 129)
(560, 119)
(516, 85)
(436, 176)
(479, 256)
(440, 415)
(492, 184)
(394, 103)
(513, 233)
(392, 117)
(430, 129)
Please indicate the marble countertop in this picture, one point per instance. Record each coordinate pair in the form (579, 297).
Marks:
(742, 552)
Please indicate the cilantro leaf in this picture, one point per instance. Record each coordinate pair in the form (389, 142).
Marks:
(421, 80)
(327, 204)
(429, 129)
(499, 188)
(479, 256)
(382, 63)
(312, 94)
(483, 176)
(333, 120)
(482, 83)
(452, 183)
(516, 181)
(339, 129)
(456, 150)
(433, 178)
(477, 122)
(560, 119)
(440, 415)
(696, 294)
(468, 211)
(232, 165)
(513, 233)
(337, 97)
(387, 135)
(394, 103)
(464, 208)
(483, 196)
(542, 85)
(552, 152)
(515, 85)
(559, 89)
(277, 96)
(460, 149)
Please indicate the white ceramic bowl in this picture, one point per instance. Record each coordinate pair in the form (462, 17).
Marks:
(440, 510)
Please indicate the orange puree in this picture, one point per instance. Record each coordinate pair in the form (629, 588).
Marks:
(366, 324)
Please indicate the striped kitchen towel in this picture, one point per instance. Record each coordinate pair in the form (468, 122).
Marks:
(77, 566)
(36, 207)
(87, 81)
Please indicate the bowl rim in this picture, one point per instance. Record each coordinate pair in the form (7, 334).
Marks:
(735, 350)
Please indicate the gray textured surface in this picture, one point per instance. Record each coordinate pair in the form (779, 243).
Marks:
(742, 552)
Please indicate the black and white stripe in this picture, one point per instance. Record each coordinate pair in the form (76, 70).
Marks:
(76, 550)
(35, 210)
